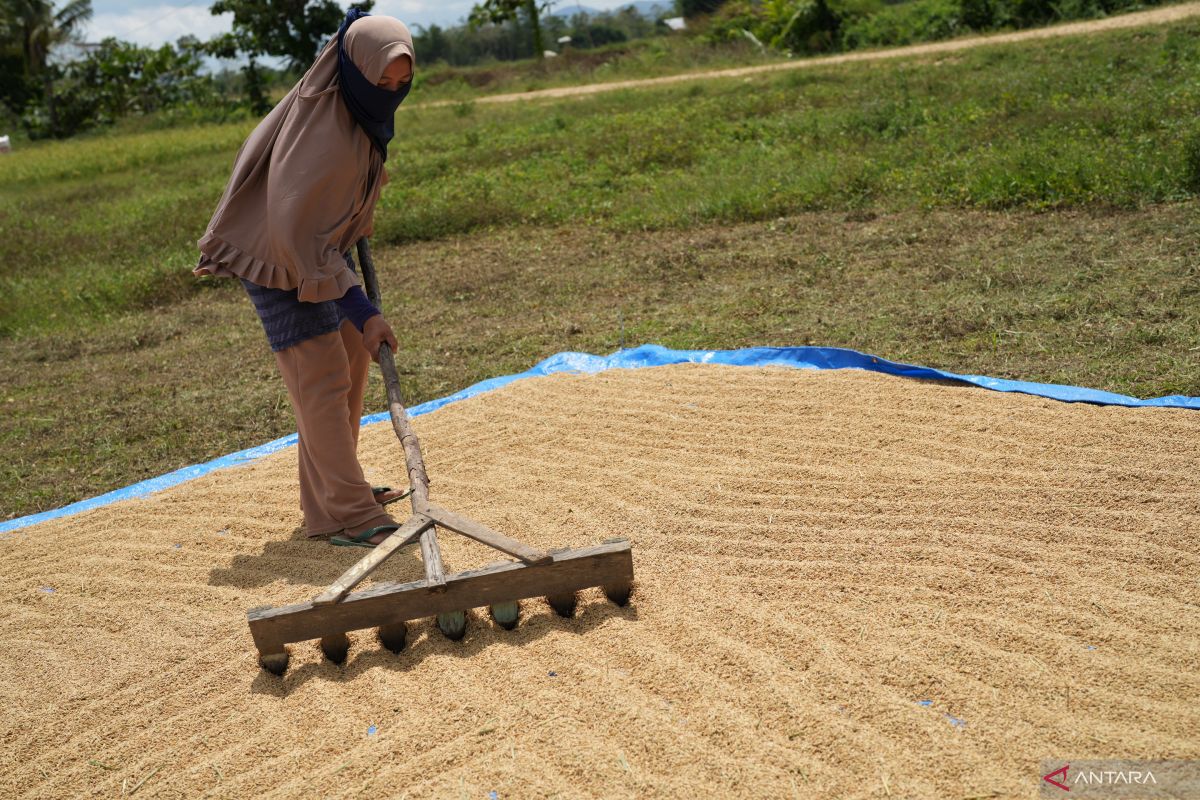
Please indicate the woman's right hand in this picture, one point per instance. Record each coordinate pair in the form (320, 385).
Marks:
(376, 331)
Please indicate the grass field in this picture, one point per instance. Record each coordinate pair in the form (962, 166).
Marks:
(1024, 211)
(106, 225)
(642, 58)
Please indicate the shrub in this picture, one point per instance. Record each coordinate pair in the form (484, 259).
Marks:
(917, 21)
(811, 28)
(807, 26)
(733, 18)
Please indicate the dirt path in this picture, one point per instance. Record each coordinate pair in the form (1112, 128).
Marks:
(1158, 16)
(849, 585)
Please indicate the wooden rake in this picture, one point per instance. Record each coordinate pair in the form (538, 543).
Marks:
(556, 575)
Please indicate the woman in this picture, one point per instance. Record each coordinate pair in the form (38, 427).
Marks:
(302, 192)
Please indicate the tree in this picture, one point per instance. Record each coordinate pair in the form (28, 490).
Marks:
(116, 79)
(32, 28)
(498, 12)
(434, 46)
(292, 29)
(35, 27)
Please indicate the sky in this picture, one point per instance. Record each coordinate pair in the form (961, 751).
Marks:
(156, 22)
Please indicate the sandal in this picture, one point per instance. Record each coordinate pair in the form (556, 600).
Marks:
(362, 539)
(378, 490)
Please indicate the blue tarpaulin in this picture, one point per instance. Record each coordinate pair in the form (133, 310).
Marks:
(649, 355)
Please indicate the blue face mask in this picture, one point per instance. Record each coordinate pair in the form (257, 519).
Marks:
(372, 106)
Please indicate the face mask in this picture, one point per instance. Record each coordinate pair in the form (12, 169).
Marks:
(372, 106)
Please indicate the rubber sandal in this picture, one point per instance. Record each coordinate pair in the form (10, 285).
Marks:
(378, 490)
(362, 539)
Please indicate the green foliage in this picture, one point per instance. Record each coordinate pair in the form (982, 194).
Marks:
(914, 21)
(810, 26)
(802, 26)
(980, 15)
(597, 30)
(29, 29)
(510, 40)
(736, 18)
(463, 44)
(597, 34)
(33, 27)
(117, 79)
(692, 8)
(113, 79)
(292, 29)
(17, 88)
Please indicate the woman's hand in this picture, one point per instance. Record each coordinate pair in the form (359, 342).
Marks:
(376, 331)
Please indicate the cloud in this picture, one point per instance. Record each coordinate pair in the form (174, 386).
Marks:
(157, 24)
(416, 13)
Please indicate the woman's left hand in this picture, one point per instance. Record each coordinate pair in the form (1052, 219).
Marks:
(376, 330)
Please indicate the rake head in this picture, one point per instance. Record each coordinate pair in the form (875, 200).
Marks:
(391, 606)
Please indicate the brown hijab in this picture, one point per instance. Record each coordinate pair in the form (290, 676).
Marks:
(305, 182)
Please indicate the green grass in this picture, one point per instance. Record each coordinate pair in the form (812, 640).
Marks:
(1022, 211)
(643, 58)
(103, 225)
(107, 225)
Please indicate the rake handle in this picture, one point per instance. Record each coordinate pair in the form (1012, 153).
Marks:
(418, 480)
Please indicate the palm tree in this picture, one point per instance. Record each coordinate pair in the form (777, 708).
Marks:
(34, 27)
(38, 27)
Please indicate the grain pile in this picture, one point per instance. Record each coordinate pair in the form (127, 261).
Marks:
(849, 585)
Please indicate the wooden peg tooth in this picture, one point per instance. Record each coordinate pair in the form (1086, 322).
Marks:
(394, 636)
(506, 615)
(563, 604)
(275, 663)
(618, 593)
(335, 647)
(453, 624)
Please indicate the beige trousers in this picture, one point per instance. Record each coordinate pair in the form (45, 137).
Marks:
(326, 377)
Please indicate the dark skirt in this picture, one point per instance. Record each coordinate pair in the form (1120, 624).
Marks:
(287, 320)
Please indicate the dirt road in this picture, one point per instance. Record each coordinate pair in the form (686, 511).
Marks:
(1157, 16)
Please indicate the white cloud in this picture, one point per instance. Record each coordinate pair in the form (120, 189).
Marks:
(158, 24)
(416, 13)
